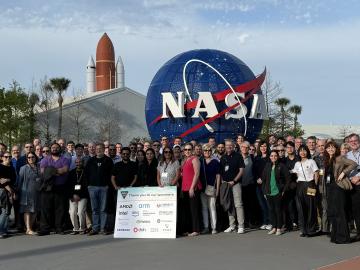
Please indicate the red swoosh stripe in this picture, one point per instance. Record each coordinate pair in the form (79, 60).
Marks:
(196, 127)
(242, 88)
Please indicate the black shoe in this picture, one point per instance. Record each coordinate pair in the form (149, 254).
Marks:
(205, 231)
(74, 233)
(60, 232)
(93, 232)
(3, 236)
(42, 233)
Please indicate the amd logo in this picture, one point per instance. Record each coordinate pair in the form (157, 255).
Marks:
(125, 206)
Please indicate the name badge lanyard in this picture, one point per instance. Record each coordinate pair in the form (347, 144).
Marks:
(303, 171)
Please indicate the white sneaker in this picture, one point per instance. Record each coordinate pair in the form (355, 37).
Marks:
(278, 232)
(214, 232)
(272, 231)
(230, 229)
(240, 230)
(263, 227)
(269, 227)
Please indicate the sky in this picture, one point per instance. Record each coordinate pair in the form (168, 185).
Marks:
(312, 48)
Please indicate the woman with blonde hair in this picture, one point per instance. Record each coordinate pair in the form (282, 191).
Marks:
(210, 179)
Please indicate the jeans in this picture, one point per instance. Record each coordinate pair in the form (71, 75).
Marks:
(208, 203)
(238, 203)
(4, 218)
(263, 204)
(77, 211)
(98, 198)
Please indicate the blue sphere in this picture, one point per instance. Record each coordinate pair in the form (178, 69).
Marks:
(199, 78)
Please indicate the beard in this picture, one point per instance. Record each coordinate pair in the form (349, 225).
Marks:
(55, 153)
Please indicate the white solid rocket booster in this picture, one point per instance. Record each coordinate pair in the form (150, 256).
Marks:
(120, 73)
(90, 76)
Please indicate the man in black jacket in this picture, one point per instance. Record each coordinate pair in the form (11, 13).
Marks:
(98, 170)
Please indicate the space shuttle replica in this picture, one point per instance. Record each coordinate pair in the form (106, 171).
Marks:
(105, 75)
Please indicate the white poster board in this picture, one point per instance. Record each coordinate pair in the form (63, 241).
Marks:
(146, 212)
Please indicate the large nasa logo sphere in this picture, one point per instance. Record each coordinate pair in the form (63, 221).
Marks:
(202, 93)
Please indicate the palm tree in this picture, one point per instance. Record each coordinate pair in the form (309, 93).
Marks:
(282, 103)
(33, 100)
(60, 85)
(295, 110)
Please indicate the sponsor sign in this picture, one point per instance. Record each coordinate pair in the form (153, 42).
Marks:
(150, 213)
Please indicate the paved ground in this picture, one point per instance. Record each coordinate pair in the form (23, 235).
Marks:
(253, 250)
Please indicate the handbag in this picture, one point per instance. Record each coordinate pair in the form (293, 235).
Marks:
(309, 191)
(345, 184)
(209, 190)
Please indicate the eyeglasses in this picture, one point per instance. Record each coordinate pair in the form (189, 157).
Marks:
(187, 149)
(7, 156)
(46, 151)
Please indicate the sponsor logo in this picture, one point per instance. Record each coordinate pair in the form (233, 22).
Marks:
(123, 230)
(163, 221)
(166, 213)
(123, 223)
(123, 213)
(160, 205)
(136, 230)
(144, 206)
(142, 221)
(135, 213)
(125, 206)
(124, 194)
(148, 213)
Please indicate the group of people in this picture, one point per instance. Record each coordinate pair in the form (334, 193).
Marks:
(277, 185)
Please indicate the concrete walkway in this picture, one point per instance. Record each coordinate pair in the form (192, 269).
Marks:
(252, 250)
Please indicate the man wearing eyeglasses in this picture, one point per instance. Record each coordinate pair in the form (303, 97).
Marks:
(29, 147)
(164, 143)
(354, 155)
(232, 169)
(156, 146)
(54, 196)
(98, 171)
(322, 198)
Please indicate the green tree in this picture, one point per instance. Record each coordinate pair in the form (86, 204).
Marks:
(45, 105)
(15, 114)
(295, 110)
(60, 85)
(33, 100)
(283, 103)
